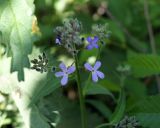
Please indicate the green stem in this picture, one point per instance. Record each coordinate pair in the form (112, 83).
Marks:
(106, 125)
(81, 98)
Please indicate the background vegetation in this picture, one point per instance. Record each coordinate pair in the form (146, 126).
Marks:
(132, 52)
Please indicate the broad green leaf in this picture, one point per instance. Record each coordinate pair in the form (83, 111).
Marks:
(148, 105)
(144, 65)
(148, 120)
(147, 111)
(16, 26)
(94, 88)
(136, 88)
(69, 111)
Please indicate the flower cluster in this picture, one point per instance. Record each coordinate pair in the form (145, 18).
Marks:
(101, 31)
(128, 122)
(68, 35)
(40, 64)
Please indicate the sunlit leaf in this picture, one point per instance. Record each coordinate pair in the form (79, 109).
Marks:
(16, 26)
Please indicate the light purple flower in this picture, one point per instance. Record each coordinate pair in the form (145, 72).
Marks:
(94, 70)
(58, 40)
(92, 42)
(64, 73)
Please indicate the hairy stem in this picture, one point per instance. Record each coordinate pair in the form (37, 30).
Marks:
(81, 98)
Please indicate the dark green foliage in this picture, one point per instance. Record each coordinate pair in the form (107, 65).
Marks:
(126, 55)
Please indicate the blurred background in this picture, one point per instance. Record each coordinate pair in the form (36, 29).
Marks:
(135, 29)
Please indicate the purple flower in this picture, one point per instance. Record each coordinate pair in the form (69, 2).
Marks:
(64, 73)
(94, 70)
(92, 42)
(58, 40)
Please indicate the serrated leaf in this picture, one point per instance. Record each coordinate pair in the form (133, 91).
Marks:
(15, 25)
(144, 65)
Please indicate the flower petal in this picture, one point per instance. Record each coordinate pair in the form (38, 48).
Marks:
(71, 69)
(89, 39)
(94, 77)
(95, 45)
(100, 74)
(89, 46)
(95, 40)
(58, 41)
(88, 66)
(97, 65)
(59, 74)
(63, 67)
(64, 80)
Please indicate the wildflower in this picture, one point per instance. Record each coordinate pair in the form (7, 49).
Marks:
(58, 40)
(101, 31)
(69, 34)
(92, 42)
(94, 70)
(64, 73)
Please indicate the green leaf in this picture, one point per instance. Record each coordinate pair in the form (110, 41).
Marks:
(148, 120)
(16, 26)
(68, 110)
(144, 65)
(94, 88)
(120, 109)
(147, 111)
(148, 105)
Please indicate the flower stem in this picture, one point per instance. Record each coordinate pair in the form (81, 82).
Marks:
(81, 98)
